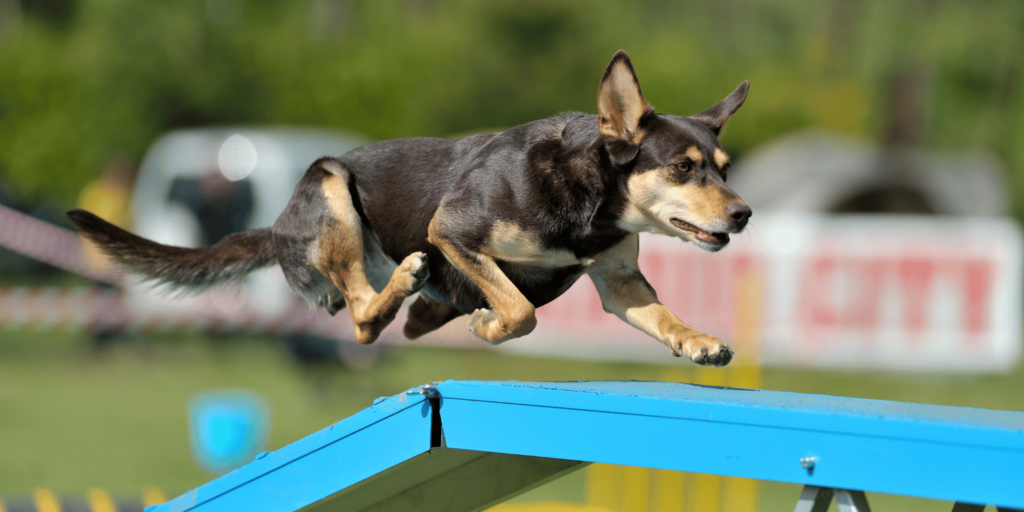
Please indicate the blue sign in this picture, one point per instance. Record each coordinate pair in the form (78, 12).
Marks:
(227, 429)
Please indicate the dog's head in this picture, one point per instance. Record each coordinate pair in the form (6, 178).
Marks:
(676, 170)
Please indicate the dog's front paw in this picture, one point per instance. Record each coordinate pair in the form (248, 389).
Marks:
(702, 349)
(414, 270)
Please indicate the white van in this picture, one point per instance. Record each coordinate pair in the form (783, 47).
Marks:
(197, 185)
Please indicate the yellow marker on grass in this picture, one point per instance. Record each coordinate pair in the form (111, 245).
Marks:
(45, 501)
(99, 500)
(152, 496)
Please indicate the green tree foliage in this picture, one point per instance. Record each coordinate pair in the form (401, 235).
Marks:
(105, 77)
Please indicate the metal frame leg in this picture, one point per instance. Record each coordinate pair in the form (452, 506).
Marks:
(814, 499)
(968, 507)
(971, 507)
(852, 501)
(817, 499)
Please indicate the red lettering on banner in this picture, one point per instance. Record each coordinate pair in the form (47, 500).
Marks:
(712, 294)
(681, 300)
(815, 306)
(652, 266)
(841, 294)
(741, 263)
(868, 287)
(671, 277)
(916, 277)
(821, 309)
(977, 282)
(839, 297)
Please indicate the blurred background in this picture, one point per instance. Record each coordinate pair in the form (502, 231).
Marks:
(881, 148)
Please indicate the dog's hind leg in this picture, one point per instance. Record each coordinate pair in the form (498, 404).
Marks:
(427, 316)
(338, 253)
(511, 314)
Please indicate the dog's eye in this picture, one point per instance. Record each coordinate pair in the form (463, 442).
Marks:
(725, 171)
(683, 166)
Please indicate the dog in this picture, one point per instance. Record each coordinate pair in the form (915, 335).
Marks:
(492, 226)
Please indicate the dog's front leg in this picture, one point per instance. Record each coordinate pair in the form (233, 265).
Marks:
(626, 294)
(512, 315)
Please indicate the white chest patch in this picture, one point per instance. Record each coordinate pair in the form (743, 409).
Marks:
(509, 242)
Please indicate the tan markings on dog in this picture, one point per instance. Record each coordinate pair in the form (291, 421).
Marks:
(625, 293)
(509, 242)
(720, 158)
(512, 315)
(693, 153)
(705, 206)
(634, 220)
(655, 199)
(621, 104)
(338, 252)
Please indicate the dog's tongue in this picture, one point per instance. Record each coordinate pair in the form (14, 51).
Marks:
(714, 238)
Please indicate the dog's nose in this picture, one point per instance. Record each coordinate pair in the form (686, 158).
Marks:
(740, 213)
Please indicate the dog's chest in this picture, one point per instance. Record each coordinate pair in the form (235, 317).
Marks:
(509, 242)
(541, 285)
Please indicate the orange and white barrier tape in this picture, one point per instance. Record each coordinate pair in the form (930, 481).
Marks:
(72, 309)
(50, 244)
(99, 308)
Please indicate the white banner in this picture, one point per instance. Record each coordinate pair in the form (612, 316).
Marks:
(873, 292)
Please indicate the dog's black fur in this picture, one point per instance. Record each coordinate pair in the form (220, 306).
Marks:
(564, 192)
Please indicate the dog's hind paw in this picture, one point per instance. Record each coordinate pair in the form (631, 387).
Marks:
(703, 350)
(486, 325)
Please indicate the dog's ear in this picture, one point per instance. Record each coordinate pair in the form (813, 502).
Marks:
(621, 106)
(715, 117)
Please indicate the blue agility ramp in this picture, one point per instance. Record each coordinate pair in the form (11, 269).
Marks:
(463, 445)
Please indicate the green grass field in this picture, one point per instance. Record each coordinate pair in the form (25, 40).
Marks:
(72, 417)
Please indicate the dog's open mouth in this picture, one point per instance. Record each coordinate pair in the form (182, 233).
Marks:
(700, 234)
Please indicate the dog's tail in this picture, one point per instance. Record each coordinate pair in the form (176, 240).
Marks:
(191, 270)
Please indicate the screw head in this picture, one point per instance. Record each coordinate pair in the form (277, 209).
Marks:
(808, 463)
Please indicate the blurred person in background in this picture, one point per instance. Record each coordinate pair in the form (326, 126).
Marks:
(221, 206)
(109, 196)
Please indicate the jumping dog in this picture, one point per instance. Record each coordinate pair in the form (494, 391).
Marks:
(491, 226)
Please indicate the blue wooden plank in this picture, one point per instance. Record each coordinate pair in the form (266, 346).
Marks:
(1003, 429)
(935, 452)
(321, 464)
